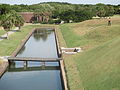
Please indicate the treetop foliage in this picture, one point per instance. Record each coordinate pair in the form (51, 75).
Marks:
(65, 11)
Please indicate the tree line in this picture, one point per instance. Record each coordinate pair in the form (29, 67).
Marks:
(9, 18)
(67, 12)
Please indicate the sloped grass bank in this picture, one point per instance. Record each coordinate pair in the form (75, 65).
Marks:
(7, 47)
(97, 68)
(74, 82)
(89, 33)
(2, 32)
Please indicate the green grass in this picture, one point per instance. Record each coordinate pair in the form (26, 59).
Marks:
(2, 32)
(71, 68)
(116, 16)
(69, 36)
(98, 67)
(91, 34)
(7, 47)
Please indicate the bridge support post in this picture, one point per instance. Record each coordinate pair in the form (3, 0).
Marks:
(11, 64)
(25, 63)
(43, 65)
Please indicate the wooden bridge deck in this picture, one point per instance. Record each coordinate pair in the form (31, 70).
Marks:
(34, 59)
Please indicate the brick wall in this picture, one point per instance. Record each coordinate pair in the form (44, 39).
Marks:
(27, 16)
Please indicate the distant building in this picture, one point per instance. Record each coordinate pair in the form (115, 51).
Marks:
(27, 16)
(30, 17)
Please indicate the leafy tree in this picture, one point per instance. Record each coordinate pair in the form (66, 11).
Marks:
(109, 11)
(17, 8)
(19, 21)
(10, 19)
(4, 8)
(100, 8)
(67, 15)
(82, 15)
(76, 16)
(55, 14)
(117, 9)
(7, 22)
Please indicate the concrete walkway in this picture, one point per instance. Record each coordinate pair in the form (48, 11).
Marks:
(9, 33)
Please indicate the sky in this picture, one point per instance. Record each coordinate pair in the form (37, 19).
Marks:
(29, 2)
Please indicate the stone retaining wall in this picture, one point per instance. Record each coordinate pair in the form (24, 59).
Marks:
(62, 65)
(3, 67)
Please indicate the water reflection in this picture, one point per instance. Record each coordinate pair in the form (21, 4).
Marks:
(19, 77)
(35, 75)
(41, 44)
(32, 66)
(17, 64)
(41, 34)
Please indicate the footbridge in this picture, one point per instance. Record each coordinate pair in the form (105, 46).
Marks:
(34, 59)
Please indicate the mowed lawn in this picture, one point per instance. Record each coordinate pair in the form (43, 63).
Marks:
(98, 66)
(2, 32)
(7, 47)
(90, 33)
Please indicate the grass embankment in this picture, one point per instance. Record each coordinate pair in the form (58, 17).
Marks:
(97, 68)
(90, 33)
(2, 32)
(7, 47)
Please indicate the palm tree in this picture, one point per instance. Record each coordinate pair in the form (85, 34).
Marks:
(10, 19)
(7, 22)
(19, 21)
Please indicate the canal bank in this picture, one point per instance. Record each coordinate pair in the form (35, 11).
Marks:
(62, 65)
(61, 62)
(58, 51)
(3, 67)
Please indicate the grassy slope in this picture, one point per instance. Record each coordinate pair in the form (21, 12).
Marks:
(90, 33)
(8, 46)
(71, 67)
(98, 67)
(2, 32)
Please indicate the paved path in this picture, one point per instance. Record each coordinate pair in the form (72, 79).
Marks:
(9, 33)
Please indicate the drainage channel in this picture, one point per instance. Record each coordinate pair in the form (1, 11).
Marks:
(35, 75)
